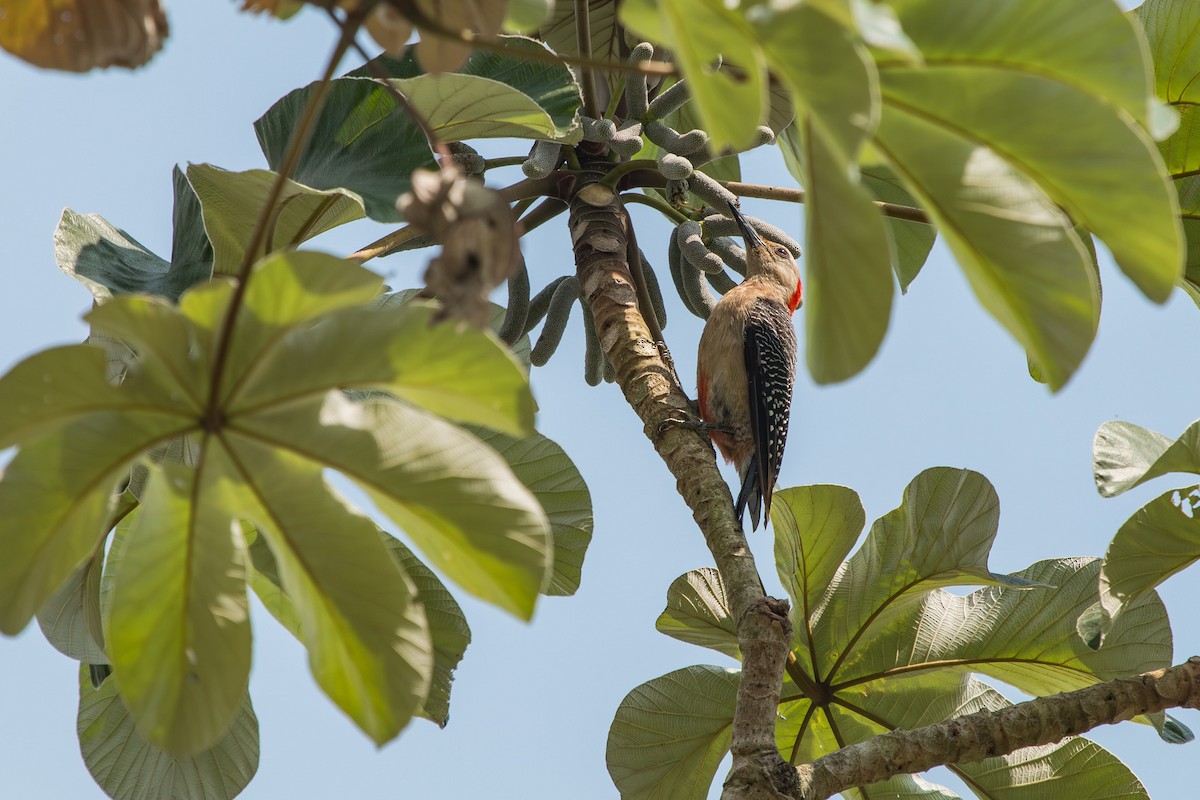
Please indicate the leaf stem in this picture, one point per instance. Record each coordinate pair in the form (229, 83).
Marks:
(893, 210)
(296, 144)
(672, 214)
(583, 42)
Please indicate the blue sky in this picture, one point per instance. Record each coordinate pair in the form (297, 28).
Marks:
(532, 703)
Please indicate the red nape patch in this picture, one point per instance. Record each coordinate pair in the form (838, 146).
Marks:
(797, 297)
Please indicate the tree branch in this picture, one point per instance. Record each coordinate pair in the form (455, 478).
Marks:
(985, 734)
(654, 392)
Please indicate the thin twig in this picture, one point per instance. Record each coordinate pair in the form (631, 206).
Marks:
(667, 211)
(296, 144)
(545, 211)
(435, 142)
(583, 43)
(893, 210)
(389, 243)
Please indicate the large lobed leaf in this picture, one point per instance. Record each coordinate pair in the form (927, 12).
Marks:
(176, 632)
(892, 649)
(109, 261)
(1163, 536)
(492, 95)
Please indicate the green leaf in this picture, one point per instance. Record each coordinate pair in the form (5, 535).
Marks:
(70, 620)
(1019, 252)
(447, 629)
(526, 15)
(455, 497)
(1026, 638)
(670, 734)
(1125, 455)
(361, 142)
(552, 477)
(55, 507)
(848, 260)
(458, 372)
(993, 182)
(178, 621)
(232, 201)
(815, 529)
(368, 642)
(911, 241)
(833, 81)
(108, 261)
(447, 626)
(697, 612)
(127, 767)
(608, 37)
(1159, 540)
(63, 385)
(939, 536)
(696, 31)
(1107, 175)
(493, 95)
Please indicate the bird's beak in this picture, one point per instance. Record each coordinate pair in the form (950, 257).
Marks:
(749, 234)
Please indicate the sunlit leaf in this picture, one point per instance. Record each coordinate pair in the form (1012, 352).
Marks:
(696, 31)
(368, 641)
(492, 95)
(128, 767)
(109, 261)
(555, 481)
(670, 734)
(71, 619)
(178, 622)
(698, 612)
(1159, 540)
(232, 201)
(1125, 455)
(362, 142)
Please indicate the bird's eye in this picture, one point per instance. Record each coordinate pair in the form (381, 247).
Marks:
(783, 251)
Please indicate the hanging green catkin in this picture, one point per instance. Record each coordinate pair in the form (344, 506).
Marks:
(654, 290)
(729, 251)
(636, 97)
(627, 141)
(720, 281)
(543, 158)
(467, 158)
(711, 192)
(669, 100)
(691, 244)
(696, 294)
(675, 261)
(718, 225)
(669, 139)
(598, 130)
(673, 167)
(594, 359)
(557, 316)
(518, 305)
(541, 303)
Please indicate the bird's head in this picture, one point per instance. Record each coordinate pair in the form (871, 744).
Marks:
(771, 260)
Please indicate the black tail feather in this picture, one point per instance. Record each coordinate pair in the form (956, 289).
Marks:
(750, 497)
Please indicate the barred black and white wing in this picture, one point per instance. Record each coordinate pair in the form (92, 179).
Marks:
(770, 349)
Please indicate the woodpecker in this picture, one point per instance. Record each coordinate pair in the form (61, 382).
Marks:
(747, 366)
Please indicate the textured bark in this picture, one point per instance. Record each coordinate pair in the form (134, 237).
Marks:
(759, 771)
(652, 388)
(654, 392)
(985, 734)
